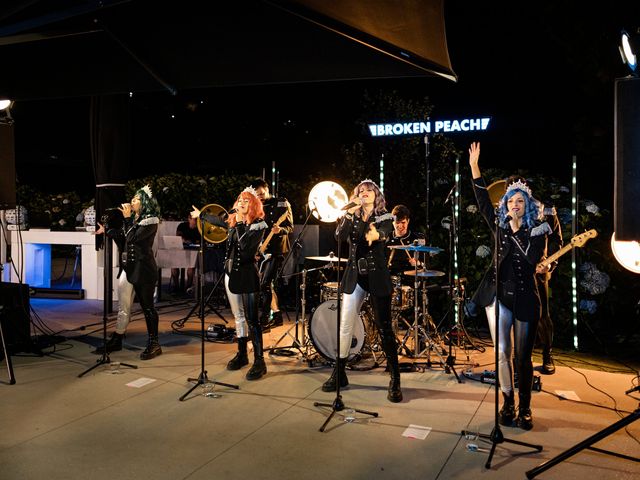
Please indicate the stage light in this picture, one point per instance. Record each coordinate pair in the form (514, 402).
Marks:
(626, 253)
(628, 50)
(4, 104)
(326, 200)
(5, 112)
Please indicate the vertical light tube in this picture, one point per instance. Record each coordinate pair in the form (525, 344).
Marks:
(574, 229)
(273, 178)
(456, 222)
(382, 172)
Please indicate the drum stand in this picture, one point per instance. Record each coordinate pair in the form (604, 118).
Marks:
(418, 331)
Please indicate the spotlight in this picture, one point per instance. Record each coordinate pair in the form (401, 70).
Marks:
(628, 49)
(326, 200)
(4, 104)
(5, 112)
(626, 253)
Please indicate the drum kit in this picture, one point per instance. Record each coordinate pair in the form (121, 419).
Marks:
(420, 337)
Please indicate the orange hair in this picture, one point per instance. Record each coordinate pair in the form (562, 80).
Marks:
(255, 209)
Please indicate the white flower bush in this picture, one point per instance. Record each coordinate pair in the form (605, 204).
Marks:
(483, 251)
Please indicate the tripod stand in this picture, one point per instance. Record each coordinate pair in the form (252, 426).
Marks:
(106, 278)
(338, 405)
(7, 355)
(202, 378)
(587, 444)
(496, 435)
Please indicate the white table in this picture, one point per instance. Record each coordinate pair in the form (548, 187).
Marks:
(36, 250)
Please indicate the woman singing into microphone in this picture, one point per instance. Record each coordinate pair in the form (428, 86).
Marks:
(521, 243)
(242, 282)
(366, 227)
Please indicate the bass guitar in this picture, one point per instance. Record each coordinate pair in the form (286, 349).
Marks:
(577, 241)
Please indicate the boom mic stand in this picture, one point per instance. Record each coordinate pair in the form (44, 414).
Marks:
(106, 295)
(202, 378)
(338, 404)
(496, 435)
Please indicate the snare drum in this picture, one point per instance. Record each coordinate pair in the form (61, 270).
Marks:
(402, 297)
(323, 330)
(328, 291)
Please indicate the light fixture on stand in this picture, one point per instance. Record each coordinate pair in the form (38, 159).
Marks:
(5, 111)
(629, 50)
(626, 253)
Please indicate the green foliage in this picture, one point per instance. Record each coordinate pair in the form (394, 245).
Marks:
(55, 211)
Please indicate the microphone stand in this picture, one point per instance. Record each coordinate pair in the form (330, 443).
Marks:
(106, 298)
(338, 404)
(496, 437)
(202, 378)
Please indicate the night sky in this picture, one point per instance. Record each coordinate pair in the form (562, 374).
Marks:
(544, 73)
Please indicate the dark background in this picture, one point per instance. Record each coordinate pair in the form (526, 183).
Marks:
(543, 71)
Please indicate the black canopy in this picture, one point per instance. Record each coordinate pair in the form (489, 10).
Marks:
(63, 48)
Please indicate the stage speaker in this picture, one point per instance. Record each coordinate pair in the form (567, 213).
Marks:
(7, 168)
(15, 318)
(626, 197)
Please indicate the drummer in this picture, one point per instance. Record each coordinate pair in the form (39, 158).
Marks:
(400, 261)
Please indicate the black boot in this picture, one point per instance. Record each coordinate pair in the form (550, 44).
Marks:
(114, 344)
(153, 348)
(241, 359)
(331, 384)
(548, 365)
(525, 419)
(276, 319)
(259, 368)
(389, 344)
(508, 411)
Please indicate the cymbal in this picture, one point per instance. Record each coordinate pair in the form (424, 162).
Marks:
(424, 273)
(416, 248)
(328, 258)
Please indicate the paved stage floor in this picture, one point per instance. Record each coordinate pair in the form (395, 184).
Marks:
(55, 425)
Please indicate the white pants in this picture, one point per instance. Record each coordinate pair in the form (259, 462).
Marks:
(350, 310)
(237, 308)
(505, 349)
(125, 301)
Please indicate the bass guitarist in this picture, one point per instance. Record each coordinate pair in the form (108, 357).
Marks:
(273, 249)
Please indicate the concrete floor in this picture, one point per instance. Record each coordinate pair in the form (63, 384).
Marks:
(55, 425)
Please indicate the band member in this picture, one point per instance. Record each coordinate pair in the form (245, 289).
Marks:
(554, 243)
(366, 227)
(545, 328)
(400, 261)
(242, 283)
(275, 208)
(521, 240)
(138, 270)
(188, 230)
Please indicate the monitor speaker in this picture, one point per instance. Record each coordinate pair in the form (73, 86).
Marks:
(15, 318)
(626, 197)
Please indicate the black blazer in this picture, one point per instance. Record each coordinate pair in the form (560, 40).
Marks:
(240, 258)
(137, 256)
(526, 302)
(274, 208)
(353, 229)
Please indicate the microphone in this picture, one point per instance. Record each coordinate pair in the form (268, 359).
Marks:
(232, 211)
(508, 218)
(453, 189)
(112, 209)
(357, 202)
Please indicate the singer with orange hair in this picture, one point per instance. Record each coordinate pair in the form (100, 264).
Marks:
(246, 228)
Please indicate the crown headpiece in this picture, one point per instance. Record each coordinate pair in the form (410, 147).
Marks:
(368, 180)
(147, 191)
(520, 185)
(251, 190)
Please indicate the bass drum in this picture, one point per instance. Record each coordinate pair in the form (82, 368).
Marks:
(322, 331)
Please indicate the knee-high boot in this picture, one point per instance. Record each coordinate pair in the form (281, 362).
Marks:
(507, 413)
(153, 346)
(390, 347)
(525, 418)
(241, 359)
(331, 384)
(259, 368)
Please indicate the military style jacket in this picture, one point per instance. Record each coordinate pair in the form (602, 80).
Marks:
(137, 258)
(523, 250)
(353, 229)
(240, 258)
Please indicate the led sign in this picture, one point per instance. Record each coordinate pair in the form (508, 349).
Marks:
(421, 128)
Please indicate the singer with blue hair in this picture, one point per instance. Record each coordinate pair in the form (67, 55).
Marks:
(521, 243)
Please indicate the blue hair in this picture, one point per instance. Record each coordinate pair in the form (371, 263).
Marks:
(149, 206)
(531, 209)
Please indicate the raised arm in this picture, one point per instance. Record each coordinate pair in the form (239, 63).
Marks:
(474, 156)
